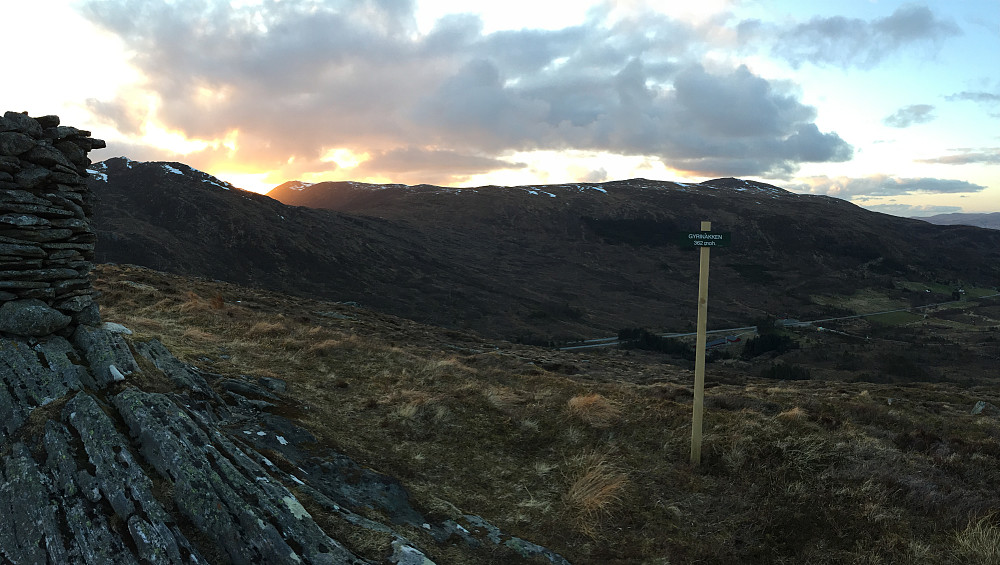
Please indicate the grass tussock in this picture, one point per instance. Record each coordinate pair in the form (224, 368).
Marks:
(979, 542)
(593, 409)
(594, 494)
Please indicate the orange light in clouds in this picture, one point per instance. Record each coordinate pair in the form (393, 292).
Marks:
(254, 182)
(344, 158)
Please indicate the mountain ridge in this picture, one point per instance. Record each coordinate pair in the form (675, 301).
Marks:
(989, 220)
(532, 262)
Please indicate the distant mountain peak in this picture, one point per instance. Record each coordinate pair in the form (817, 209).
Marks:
(99, 171)
(989, 220)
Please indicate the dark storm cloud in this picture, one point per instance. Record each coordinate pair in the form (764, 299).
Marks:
(884, 185)
(848, 42)
(910, 115)
(299, 78)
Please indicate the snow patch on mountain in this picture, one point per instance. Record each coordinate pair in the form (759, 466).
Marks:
(299, 185)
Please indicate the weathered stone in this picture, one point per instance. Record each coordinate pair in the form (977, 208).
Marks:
(64, 286)
(90, 315)
(14, 143)
(32, 176)
(108, 355)
(44, 294)
(62, 132)
(986, 409)
(39, 274)
(72, 179)
(247, 389)
(47, 156)
(121, 481)
(66, 254)
(74, 304)
(73, 152)
(22, 220)
(49, 121)
(34, 377)
(67, 169)
(75, 224)
(16, 121)
(223, 492)
(172, 367)
(21, 250)
(20, 197)
(31, 318)
(271, 383)
(42, 211)
(9, 164)
(12, 262)
(24, 503)
(404, 554)
(37, 235)
(23, 284)
(78, 246)
(6, 177)
(90, 536)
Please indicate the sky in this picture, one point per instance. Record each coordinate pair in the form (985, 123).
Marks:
(892, 105)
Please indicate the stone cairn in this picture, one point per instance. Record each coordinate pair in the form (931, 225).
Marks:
(46, 241)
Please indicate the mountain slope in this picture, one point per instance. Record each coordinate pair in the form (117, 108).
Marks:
(609, 246)
(559, 261)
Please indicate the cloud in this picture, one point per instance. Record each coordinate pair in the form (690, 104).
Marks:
(910, 115)
(287, 82)
(882, 185)
(967, 156)
(852, 42)
(413, 165)
(987, 99)
(596, 175)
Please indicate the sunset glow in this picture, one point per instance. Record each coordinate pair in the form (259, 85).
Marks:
(892, 105)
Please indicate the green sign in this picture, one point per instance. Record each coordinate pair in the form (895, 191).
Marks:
(705, 239)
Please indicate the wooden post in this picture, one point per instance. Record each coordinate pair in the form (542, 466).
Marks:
(699, 355)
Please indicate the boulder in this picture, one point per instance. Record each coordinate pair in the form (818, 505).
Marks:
(17, 121)
(14, 143)
(31, 317)
(986, 409)
(46, 156)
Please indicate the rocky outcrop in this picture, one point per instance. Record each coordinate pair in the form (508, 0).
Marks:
(46, 240)
(97, 470)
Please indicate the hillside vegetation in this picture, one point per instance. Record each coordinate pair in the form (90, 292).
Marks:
(888, 453)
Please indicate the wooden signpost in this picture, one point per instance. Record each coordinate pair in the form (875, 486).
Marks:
(705, 240)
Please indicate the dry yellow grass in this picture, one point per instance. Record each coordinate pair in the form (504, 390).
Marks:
(793, 414)
(594, 493)
(979, 542)
(593, 409)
